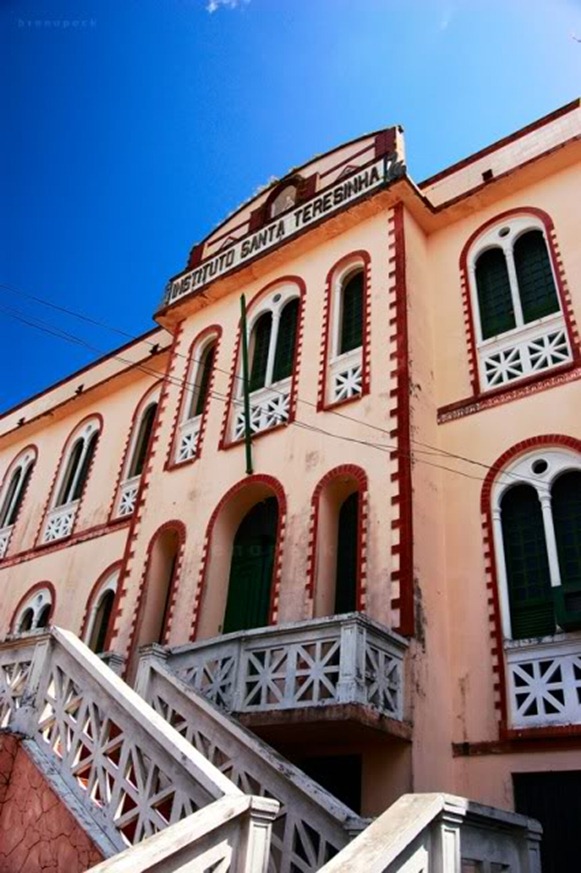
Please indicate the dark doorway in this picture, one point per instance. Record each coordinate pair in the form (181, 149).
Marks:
(338, 774)
(554, 799)
(248, 603)
(347, 556)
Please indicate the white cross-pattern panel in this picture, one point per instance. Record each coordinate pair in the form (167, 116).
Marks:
(346, 376)
(268, 408)
(524, 353)
(59, 522)
(544, 683)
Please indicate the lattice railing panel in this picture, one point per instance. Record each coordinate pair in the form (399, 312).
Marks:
(306, 832)
(545, 683)
(268, 407)
(528, 351)
(188, 438)
(59, 522)
(344, 659)
(346, 376)
(14, 675)
(127, 498)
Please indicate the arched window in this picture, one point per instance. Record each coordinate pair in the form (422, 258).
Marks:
(160, 580)
(12, 494)
(272, 329)
(338, 556)
(537, 516)
(345, 360)
(142, 440)
(197, 394)
(71, 481)
(519, 325)
(251, 568)
(101, 613)
(136, 455)
(35, 612)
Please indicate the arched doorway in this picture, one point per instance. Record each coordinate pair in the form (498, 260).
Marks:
(159, 583)
(347, 556)
(251, 568)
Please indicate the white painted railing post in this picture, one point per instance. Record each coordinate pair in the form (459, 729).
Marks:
(114, 661)
(254, 848)
(446, 843)
(25, 718)
(534, 850)
(239, 683)
(351, 687)
(148, 655)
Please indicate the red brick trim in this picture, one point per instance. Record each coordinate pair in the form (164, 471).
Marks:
(28, 595)
(558, 738)
(225, 442)
(494, 616)
(561, 282)
(135, 421)
(180, 529)
(115, 567)
(278, 492)
(64, 455)
(359, 476)
(362, 258)
(83, 536)
(135, 519)
(495, 146)
(402, 578)
(214, 330)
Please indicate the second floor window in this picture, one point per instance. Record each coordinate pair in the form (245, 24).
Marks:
(194, 403)
(136, 454)
(12, 494)
(519, 324)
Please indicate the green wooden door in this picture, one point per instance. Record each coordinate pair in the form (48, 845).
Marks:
(248, 603)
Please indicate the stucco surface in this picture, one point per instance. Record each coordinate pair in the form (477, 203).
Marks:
(37, 833)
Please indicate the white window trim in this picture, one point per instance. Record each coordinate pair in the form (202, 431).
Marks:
(490, 239)
(343, 378)
(36, 602)
(188, 432)
(194, 372)
(520, 472)
(128, 486)
(85, 432)
(109, 584)
(22, 462)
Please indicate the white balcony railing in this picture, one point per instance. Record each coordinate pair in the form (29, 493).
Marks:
(544, 681)
(127, 497)
(312, 826)
(324, 662)
(59, 522)
(127, 772)
(187, 442)
(346, 375)
(524, 352)
(268, 407)
(5, 539)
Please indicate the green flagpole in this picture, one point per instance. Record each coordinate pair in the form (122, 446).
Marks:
(245, 378)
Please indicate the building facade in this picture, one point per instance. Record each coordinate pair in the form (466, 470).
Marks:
(394, 558)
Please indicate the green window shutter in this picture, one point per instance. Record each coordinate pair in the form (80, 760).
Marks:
(347, 556)
(527, 565)
(7, 517)
(494, 298)
(285, 344)
(251, 569)
(74, 458)
(352, 314)
(566, 506)
(86, 465)
(259, 345)
(142, 441)
(203, 381)
(538, 295)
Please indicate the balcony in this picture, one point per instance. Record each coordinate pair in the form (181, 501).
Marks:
(59, 522)
(187, 443)
(346, 376)
(326, 669)
(127, 497)
(268, 408)
(544, 681)
(524, 352)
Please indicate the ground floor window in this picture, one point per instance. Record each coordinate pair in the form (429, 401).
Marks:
(554, 799)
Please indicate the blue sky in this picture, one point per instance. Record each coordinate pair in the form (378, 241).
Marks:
(132, 127)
